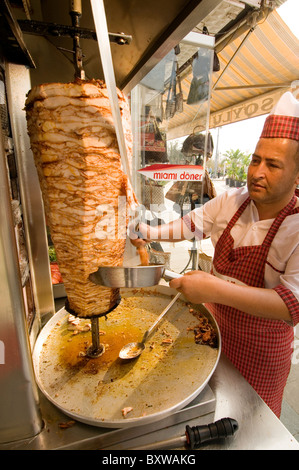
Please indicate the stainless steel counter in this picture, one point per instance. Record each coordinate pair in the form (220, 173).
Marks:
(228, 395)
(259, 427)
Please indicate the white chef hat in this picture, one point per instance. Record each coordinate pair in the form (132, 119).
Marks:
(283, 121)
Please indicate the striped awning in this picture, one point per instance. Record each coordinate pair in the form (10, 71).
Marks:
(255, 70)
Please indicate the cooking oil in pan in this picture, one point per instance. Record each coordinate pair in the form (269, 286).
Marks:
(73, 347)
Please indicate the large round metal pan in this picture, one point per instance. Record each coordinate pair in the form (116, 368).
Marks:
(168, 375)
(135, 276)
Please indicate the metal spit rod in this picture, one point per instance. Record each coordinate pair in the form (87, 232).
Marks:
(96, 349)
(76, 12)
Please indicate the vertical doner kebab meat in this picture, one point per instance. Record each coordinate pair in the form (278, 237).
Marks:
(86, 194)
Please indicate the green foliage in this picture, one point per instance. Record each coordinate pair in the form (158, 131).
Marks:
(236, 163)
(52, 254)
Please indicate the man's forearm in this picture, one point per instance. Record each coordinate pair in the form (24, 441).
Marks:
(200, 287)
(256, 301)
(175, 231)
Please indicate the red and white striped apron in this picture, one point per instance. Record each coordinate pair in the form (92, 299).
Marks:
(260, 348)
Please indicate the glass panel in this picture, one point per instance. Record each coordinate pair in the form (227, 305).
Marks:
(170, 118)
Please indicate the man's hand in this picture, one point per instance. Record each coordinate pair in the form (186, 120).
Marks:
(197, 286)
(172, 232)
(138, 234)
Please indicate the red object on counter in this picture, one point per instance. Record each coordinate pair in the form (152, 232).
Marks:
(55, 273)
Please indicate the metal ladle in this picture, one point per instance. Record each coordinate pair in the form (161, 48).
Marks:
(133, 350)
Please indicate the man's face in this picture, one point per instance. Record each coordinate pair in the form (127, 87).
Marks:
(273, 173)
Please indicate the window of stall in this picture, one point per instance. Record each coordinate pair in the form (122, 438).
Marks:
(170, 154)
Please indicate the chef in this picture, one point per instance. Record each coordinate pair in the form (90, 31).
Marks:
(253, 287)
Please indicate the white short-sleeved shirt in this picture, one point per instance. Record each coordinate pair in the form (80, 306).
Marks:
(283, 259)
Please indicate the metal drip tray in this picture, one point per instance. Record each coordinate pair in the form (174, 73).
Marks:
(169, 374)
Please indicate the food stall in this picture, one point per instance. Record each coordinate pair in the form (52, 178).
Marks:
(56, 392)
